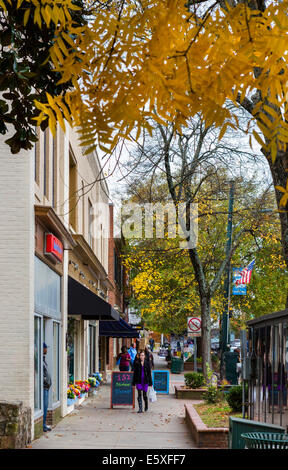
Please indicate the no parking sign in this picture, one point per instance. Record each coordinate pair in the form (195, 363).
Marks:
(194, 326)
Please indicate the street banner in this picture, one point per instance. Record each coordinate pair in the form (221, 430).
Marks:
(238, 289)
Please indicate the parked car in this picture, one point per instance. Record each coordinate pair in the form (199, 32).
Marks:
(215, 344)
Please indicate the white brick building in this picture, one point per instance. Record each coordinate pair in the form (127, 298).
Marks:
(50, 189)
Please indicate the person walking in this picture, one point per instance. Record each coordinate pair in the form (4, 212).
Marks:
(133, 353)
(152, 342)
(142, 379)
(47, 382)
(125, 359)
(149, 357)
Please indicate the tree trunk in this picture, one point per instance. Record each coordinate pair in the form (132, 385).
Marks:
(206, 332)
(279, 171)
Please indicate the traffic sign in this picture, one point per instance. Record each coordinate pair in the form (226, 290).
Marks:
(194, 326)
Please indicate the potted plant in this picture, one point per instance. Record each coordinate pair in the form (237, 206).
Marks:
(70, 396)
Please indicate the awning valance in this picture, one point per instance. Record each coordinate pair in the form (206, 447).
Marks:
(82, 301)
(117, 329)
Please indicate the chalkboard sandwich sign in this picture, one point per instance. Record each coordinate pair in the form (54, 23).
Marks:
(122, 391)
(160, 379)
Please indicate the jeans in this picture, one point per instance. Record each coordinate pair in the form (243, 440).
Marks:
(45, 405)
(124, 368)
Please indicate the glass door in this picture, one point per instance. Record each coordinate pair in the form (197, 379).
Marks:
(37, 363)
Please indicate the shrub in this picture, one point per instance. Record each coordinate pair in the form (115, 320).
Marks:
(234, 397)
(194, 379)
(213, 395)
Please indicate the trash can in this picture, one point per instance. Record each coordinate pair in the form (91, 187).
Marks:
(261, 440)
(177, 365)
(230, 360)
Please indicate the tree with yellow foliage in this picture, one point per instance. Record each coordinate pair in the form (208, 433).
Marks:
(191, 172)
(131, 60)
(166, 59)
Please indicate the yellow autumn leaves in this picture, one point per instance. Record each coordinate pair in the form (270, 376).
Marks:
(138, 58)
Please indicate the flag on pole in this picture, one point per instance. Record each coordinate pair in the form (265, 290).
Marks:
(246, 274)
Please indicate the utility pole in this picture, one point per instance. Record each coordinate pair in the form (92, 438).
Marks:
(225, 315)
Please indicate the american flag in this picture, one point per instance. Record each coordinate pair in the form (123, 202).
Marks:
(246, 274)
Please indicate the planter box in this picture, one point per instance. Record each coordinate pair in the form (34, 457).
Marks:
(189, 393)
(203, 436)
(70, 401)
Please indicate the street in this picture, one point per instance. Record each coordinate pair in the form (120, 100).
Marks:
(95, 426)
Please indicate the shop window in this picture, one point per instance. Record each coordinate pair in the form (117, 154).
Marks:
(54, 171)
(90, 224)
(47, 290)
(36, 158)
(37, 364)
(46, 164)
(91, 356)
(56, 362)
(71, 349)
(72, 192)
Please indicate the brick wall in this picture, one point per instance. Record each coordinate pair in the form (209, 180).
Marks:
(203, 436)
(16, 275)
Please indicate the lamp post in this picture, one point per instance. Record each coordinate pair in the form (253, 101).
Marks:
(224, 322)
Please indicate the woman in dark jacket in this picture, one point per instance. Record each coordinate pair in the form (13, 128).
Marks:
(142, 379)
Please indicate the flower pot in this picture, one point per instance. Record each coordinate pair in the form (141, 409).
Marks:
(70, 401)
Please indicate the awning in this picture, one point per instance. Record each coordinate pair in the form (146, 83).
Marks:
(117, 329)
(82, 301)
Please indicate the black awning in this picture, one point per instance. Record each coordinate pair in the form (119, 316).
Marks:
(117, 329)
(82, 301)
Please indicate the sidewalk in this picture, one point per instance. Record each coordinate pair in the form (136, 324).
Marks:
(95, 426)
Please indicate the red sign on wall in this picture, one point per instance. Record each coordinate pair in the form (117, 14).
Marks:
(54, 247)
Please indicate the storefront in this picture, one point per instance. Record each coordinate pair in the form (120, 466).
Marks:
(47, 325)
(117, 332)
(51, 238)
(267, 368)
(87, 351)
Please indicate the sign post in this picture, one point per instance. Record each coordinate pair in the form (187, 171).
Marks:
(122, 391)
(194, 330)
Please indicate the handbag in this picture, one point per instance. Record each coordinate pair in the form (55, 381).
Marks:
(152, 395)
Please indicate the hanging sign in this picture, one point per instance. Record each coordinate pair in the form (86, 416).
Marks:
(122, 391)
(240, 289)
(194, 326)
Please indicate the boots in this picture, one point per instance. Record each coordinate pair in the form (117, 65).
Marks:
(140, 405)
(146, 403)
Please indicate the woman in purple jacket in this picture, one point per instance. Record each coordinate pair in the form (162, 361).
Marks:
(142, 379)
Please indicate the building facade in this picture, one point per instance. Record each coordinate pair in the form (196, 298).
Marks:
(54, 279)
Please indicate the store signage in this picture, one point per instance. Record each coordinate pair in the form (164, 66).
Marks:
(160, 379)
(54, 247)
(194, 326)
(122, 391)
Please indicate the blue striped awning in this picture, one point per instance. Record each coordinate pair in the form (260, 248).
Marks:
(117, 329)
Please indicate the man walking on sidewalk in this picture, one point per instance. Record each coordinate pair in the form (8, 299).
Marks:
(133, 353)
